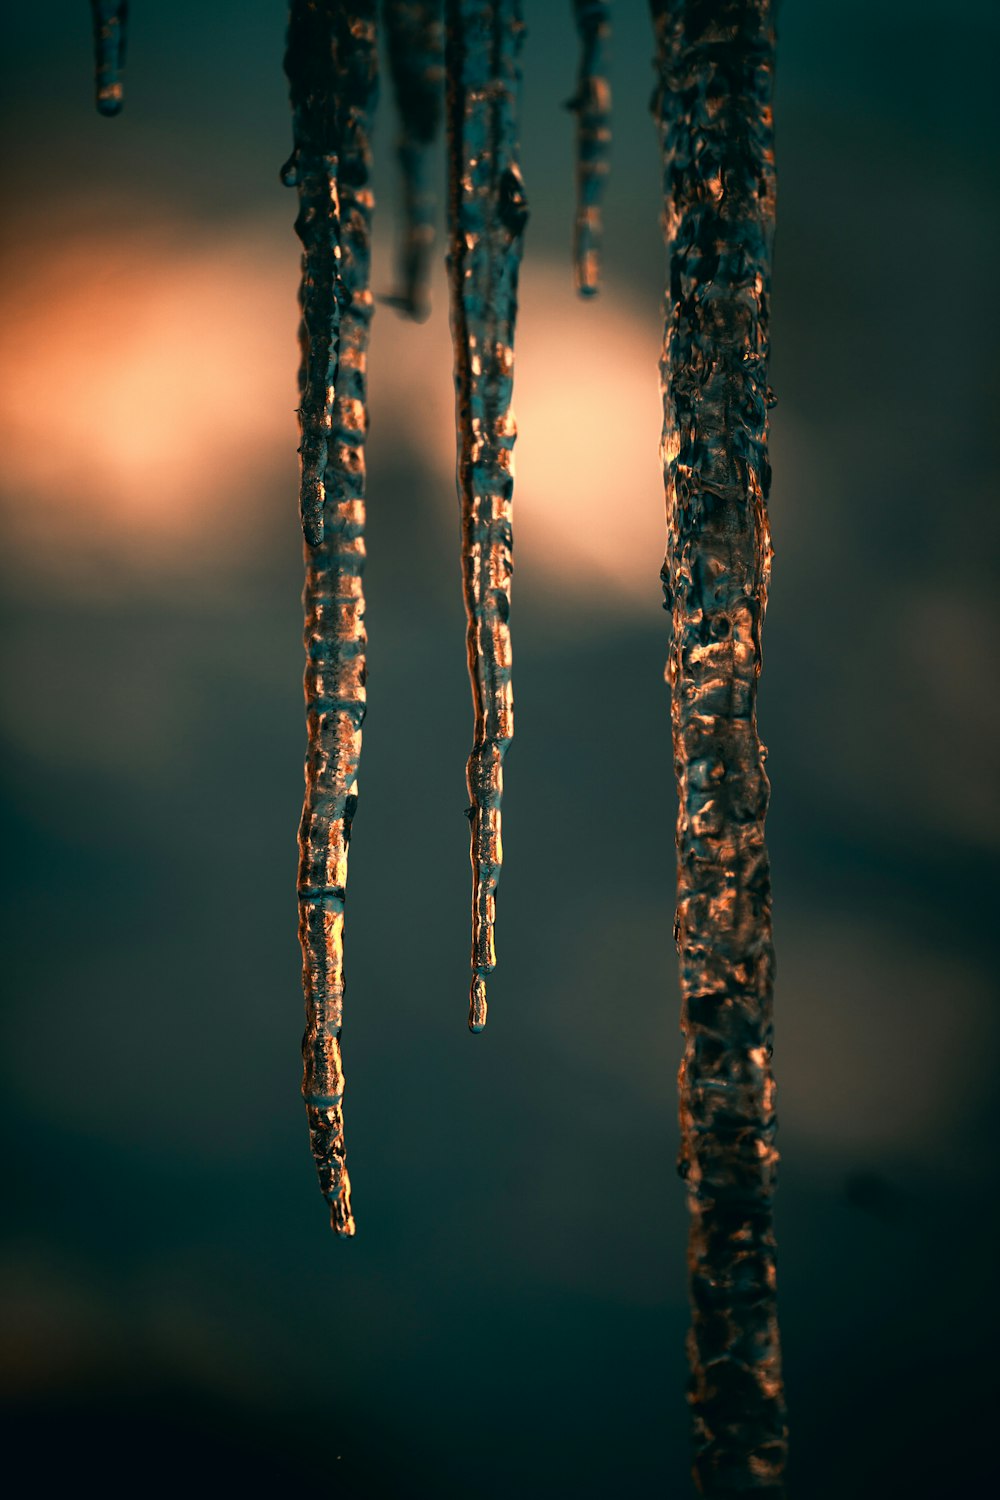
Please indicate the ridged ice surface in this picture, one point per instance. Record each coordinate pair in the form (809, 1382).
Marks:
(334, 603)
(110, 19)
(415, 34)
(315, 57)
(487, 212)
(713, 107)
(592, 104)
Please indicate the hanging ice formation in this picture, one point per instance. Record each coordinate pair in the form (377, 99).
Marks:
(713, 107)
(715, 63)
(332, 67)
(487, 215)
(316, 62)
(110, 18)
(415, 36)
(592, 103)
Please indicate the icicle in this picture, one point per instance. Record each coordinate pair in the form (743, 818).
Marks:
(592, 103)
(487, 215)
(335, 637)
(311, 61)
(110, 20)
(416, 61)
(713, 109)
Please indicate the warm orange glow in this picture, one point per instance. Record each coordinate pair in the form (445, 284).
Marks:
(149, 401)
(148, 408)
(121, 415)
(588, 499)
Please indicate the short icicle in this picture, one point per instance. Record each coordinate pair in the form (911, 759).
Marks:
(335, 636)
(110, 19)
(316, 34)
(713, 109)
(592, 105)
(416, 61)
(487, 214)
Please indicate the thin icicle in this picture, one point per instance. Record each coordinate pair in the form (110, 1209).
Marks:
(311, 64)
(713, 109)
(416, 61)
(335, 636)
(487, 215)
(110, 19)
(592, 104)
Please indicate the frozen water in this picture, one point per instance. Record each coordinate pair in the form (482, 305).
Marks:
(488, 212)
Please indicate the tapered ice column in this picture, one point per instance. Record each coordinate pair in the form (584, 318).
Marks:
(317, 36)
(415, 35)
(487, 212)
(713, 108)
(592, 104)
(110, 18)
(334, 603)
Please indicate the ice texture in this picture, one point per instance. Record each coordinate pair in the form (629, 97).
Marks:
(316, 60)
(487, 212)
(343, 80)
(110, 18)
(715, 66)
(592, 104)
(415, 34)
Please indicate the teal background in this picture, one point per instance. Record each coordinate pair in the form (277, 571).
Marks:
(510, 1319)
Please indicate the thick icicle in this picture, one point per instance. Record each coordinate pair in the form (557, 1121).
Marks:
(315, 31)
(110, 21)
(592, 104)
(335, 637)
(416, 61)
(487, 215)
(713, 109)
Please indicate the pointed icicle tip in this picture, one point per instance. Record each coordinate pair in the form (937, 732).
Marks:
(477, 1004)
(311, 502)
(342, 1222)
(110, 18)
(592, 106)
(401, 302)
(416, 62)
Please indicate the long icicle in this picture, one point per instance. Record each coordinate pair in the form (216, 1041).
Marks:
(110, 18)
(311, 65)
(416, 61)
(487, 215)
(713, 109)
(335, 636)
(592, 104)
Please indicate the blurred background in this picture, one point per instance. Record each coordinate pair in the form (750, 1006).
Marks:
(510, 1319)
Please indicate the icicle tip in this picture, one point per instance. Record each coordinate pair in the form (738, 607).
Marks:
(109, 101)
(477, 1004)
(588, 277)
(312, 498)
(342, 1221)
(407, 304)
(110, 19)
